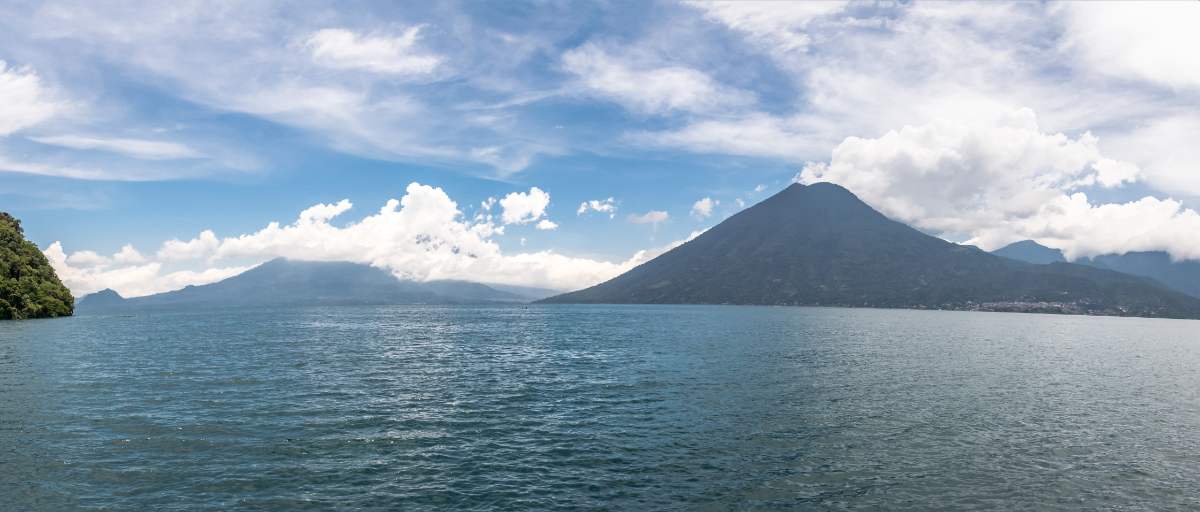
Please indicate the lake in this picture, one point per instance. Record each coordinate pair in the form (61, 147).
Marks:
(598, 408)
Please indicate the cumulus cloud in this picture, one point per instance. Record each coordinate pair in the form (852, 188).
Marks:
(323, 213)
(1004, 180)
(203, 246)
(344, 49)
(1166, 151)
(422, 236)
(85, 272)
(524, 207)
(1083, 228)
(24, 100)
(547, 225)
(128, 255)
(608, 206)
(87, 259)
(649, 89)
(959, 178)
(651, 217)
(703, 208)
(1151, 41)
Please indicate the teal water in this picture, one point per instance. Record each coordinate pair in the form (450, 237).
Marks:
(598, 408)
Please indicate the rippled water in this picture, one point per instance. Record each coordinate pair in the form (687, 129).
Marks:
(598, 407)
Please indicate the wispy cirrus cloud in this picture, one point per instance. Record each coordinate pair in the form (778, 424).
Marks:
(651, 89)
(136, 148)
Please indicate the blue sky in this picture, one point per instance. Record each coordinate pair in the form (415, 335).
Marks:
(147, 147)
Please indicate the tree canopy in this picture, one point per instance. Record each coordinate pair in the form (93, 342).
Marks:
(28, 286)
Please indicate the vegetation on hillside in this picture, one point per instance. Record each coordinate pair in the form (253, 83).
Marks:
(28, 286)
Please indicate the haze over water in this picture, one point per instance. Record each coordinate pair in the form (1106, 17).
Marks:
(598, 407)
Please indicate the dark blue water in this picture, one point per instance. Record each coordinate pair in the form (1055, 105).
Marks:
(598, 408)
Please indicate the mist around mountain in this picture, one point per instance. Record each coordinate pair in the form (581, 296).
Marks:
(819, 245)
(283, 282)
(29, 288)
(1183, 276)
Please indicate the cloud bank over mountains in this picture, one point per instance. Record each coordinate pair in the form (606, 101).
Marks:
(421, 236)
(984, 123)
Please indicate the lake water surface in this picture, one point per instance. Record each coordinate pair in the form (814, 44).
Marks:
(598, 408)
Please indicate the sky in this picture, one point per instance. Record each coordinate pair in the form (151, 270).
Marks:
(151, 146)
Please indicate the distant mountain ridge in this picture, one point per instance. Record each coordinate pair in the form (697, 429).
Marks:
(283, 282)
(820, 245)
(1183, 276)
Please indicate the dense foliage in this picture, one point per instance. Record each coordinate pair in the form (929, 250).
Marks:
(28, 286)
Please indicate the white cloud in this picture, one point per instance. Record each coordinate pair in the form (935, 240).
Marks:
(757, 134)
(232, 59)
(24, 101)
(776, 25)
(547, 225)
(649, 89)
(875, 68)
(608, 206)
(137, 148)
(703, 208)
(523, 208)
(1004, 180)
(203, 246)
(759, 188)
(70, 169)
(651, 217)
(1151, 41)
(1082, 228)
(340, 48)
(960, 178)
(1166, 150)
(128, 256)
(87, 259)
(323, 213)
(422, 236)
(130, 279)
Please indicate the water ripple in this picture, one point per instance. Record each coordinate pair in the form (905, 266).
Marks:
(598, 408)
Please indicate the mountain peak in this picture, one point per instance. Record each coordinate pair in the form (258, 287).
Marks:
(820, 245)
(107, 292)
(1030, 252)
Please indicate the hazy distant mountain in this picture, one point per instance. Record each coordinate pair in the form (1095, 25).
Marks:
(531, 293)
(821, 245)
(1183, 276)
(1030, 252)
(286, 282)
(1179, 275)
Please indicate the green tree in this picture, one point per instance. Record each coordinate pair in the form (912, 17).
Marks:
(28, 286)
